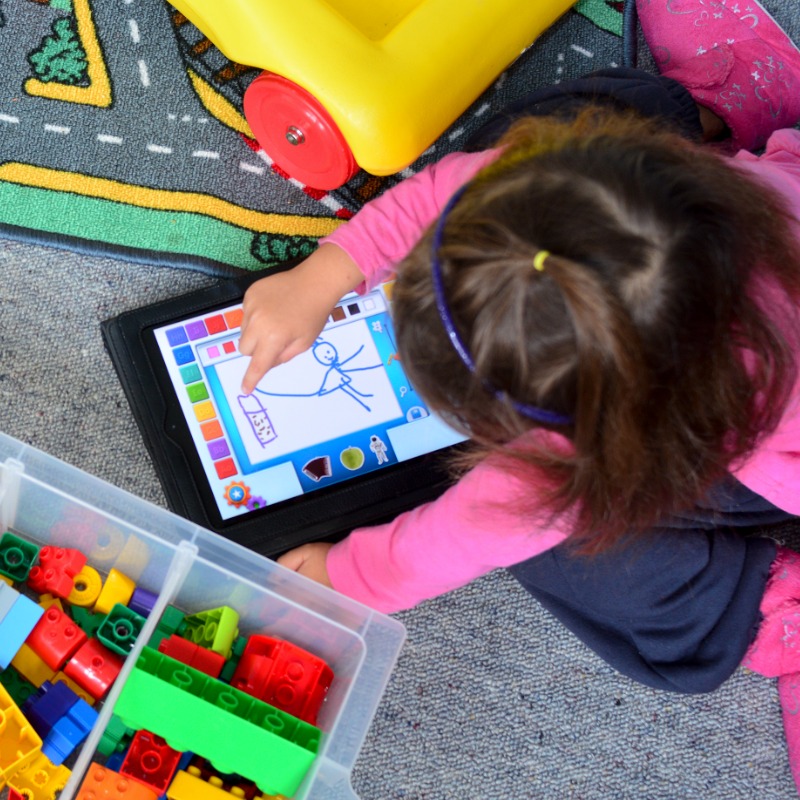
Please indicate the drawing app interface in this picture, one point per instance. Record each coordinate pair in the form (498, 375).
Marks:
(341, 409)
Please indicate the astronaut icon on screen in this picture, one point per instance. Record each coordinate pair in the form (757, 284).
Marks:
(378, 447)
(258, 418)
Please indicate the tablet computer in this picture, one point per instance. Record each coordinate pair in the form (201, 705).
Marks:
(334, 439)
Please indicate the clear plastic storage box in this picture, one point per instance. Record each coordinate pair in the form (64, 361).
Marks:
(51, 503)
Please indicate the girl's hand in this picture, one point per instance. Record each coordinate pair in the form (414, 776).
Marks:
(284, 313)
(309, 560)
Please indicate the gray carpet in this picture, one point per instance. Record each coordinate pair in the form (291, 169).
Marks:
(491, 698)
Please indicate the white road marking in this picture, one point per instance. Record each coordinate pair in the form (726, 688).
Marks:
(133, 26)
(144, 76)
(582, 50)
(245, 167)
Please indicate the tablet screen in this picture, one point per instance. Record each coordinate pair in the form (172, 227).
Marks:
(342, 409)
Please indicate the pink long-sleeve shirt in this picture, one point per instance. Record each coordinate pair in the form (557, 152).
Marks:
(473, 528)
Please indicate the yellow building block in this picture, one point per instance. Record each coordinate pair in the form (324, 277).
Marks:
(40, 780)
(28, 664)
(86, 587)
(118, 588)
(7, 580)
(19, 742)
(47, 600)
(190, 785)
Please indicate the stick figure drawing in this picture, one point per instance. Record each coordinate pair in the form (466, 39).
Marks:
(335, 377)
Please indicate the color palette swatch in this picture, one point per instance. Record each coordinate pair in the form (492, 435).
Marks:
(186, 342)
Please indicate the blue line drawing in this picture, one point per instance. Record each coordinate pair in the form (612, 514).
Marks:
(335, 377)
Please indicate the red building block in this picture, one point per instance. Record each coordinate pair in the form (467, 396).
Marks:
(105, 784)
(151, 761)
(55, 638)
(56, 570)
(191, 654)
(94, 668)
(283, 675)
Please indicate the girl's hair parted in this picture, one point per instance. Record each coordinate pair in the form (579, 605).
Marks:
(647, 325)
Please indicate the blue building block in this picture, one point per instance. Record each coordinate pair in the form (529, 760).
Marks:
(48, 705)
(16, 625)
(69, 732)
(8, 597)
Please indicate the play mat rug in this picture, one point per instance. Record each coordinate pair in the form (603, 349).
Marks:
(121, 134)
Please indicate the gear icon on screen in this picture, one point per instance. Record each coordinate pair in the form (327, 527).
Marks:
(237, 494)
(256, 502)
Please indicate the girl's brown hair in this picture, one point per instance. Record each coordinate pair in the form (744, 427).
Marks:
(643, 326)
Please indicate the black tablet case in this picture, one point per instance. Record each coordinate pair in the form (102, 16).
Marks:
(326, 514)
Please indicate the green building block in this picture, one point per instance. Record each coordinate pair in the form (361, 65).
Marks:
(172, 621)
(234, 731)
(215, 630)
(232, 662)
(16, 556)
(120, 629)
(116, 737)
(86, 620)
(19, 687)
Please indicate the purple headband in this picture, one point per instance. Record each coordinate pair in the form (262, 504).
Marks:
(535, 413)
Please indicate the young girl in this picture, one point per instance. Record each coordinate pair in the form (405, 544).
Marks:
(609, 312)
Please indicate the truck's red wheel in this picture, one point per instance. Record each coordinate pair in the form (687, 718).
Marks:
(297, 133)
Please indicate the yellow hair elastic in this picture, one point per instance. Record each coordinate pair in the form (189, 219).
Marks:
(539, 259)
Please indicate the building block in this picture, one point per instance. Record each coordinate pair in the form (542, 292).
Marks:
(48, 705)
(16, 685)
(8, 596)
(192, 655)
(142, 601)
(284, 675)
(47, 600)
(233, 659)
(236, 732)
(189, 784)
(116, 737)
(94, 668)
(215, 629)
(88, 621)
(30, 665)
(86, 587)
(6, 580)
(17, 556)
(60, 677)
(69, 732)
(118, 588)
(172, 621)
(120, 629)
(39, 780)
(55, 573)
(104, 784)
(67, 559)
(19, 742)
(16, 625)
(55, 638)
(150, 760)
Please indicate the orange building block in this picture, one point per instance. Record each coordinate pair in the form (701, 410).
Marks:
(105, 784)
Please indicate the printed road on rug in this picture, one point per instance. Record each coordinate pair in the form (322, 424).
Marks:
(121, 133)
